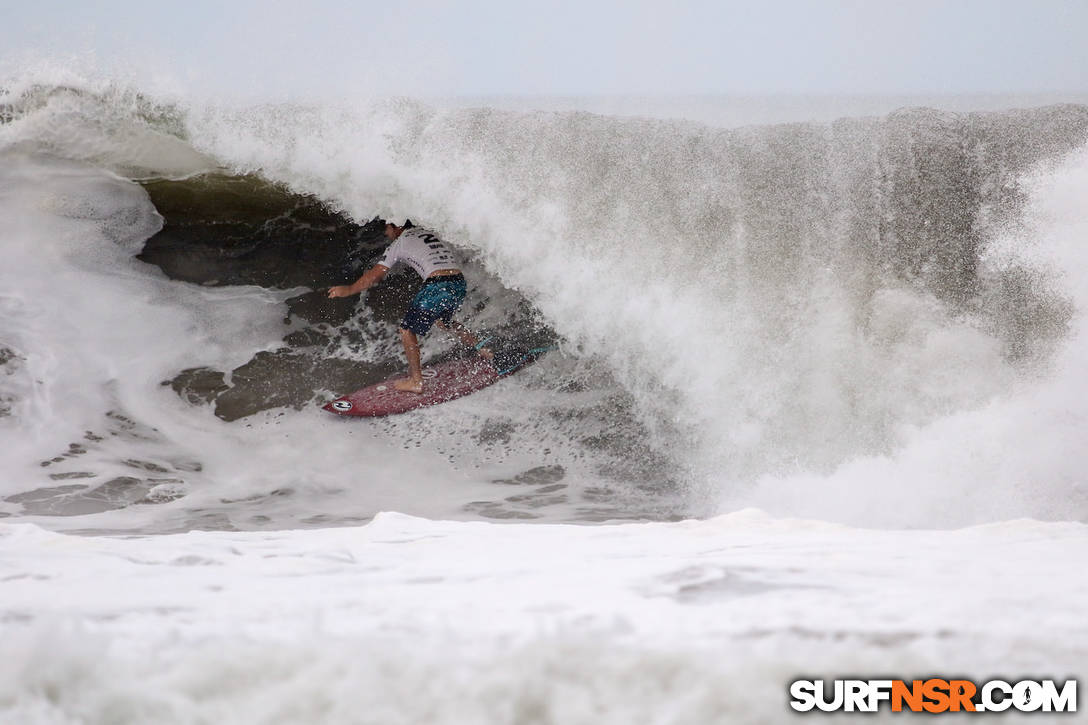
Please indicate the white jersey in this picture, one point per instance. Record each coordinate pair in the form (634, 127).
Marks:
(420, 249)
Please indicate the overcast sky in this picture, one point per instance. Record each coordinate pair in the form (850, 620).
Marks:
(581, 47)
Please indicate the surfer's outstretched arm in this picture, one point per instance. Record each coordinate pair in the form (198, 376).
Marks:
(370, 278)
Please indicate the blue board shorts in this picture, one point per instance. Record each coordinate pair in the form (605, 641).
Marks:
(437, 299)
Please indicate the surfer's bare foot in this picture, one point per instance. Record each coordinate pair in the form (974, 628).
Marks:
(486, 353)
(408, 385)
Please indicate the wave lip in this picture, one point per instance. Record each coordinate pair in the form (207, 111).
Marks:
(118, 129)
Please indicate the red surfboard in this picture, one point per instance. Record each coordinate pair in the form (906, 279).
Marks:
(441, 383)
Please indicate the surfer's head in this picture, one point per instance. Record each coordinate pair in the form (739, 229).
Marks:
(392, 231)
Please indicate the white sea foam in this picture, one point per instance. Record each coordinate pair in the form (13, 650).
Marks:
(410, 620)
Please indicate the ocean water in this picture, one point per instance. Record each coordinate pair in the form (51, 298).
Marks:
(817, 406)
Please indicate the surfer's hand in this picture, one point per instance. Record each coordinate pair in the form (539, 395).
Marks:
(342, 290)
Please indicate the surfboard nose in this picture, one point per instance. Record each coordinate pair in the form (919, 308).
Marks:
(340, 405)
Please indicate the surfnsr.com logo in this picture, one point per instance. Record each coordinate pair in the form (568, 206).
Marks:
(934, 695)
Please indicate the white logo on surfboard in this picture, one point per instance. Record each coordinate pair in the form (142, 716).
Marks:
(342, 405)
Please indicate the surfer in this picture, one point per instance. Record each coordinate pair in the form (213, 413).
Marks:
(441, 295)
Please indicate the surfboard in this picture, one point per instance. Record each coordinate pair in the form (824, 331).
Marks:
(442, 382)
